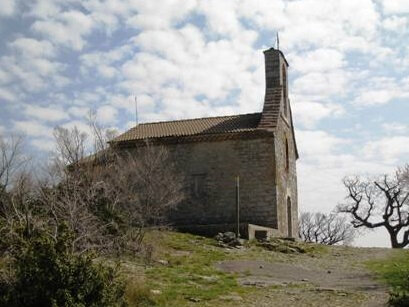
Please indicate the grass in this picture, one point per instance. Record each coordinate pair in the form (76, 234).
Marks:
(393, 271)
(190, 274)
(183, 269)
(138, 294)
(179, 270)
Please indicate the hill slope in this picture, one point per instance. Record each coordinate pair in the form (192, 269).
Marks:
(187, 270)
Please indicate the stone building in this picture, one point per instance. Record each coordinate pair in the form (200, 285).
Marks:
(260, 148)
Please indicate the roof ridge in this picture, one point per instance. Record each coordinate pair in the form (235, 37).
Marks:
(194, 119)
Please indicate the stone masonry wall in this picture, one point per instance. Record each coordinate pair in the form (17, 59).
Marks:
(286, 179)
(213, 166)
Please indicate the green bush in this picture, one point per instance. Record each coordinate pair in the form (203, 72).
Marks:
(399, 295)
(394, 271)
(48, 273)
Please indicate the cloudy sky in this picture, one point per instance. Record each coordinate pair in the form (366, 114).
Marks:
(349, 81)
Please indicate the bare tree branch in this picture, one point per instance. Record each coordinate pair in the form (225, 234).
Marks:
(380, 203)
(328, 229)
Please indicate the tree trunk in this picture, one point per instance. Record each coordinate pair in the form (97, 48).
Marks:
(394, 240)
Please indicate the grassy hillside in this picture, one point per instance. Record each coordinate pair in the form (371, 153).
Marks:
(187, 270)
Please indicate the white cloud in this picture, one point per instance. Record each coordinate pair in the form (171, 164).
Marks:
(394, 127)
(32, 74)
(5, 94)
(30, 47)
(395, 23)
(319, 60)
(308, 113)
(322, 84)
(389, 149)
(330, 23)
(107, 114)
(108, 13)
(151, 16)
(264, 14)
(176, 63)
(49, 113)
(313, 144)
(221, 16)
(44, 8)
(395, 6)
(43, 144)
(381, 90)
(8, 7)
(5, 77)
(67, 29)
(375, 97)
(86, 98)
(379, 97)
(80, 112)
(80, 125)
(32, 128)
(104, 63)
(145, 103)
(31, 67)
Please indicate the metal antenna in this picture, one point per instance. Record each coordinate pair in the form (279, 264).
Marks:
(278, 42)
(136, 110)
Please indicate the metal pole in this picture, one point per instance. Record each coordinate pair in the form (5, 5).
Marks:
(136, 110)
(237, 207)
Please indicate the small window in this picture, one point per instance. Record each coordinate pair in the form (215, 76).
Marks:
(198, 185)
(287, 156)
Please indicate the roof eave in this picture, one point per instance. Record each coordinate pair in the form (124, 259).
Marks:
(256, 133)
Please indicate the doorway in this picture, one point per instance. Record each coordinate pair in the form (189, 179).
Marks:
(289, 218)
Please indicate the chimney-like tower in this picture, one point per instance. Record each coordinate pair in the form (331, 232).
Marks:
(276, 97)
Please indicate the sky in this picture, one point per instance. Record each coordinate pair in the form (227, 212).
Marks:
(349, 74)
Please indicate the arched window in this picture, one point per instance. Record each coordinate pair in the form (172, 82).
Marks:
(287, 156)
(289, 218)
(284, 73)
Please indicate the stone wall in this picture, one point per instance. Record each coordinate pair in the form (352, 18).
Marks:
(210, 169)
(286, 178)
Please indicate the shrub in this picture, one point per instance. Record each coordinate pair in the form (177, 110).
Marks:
(394, 271)
(48, 273)
(399, 295)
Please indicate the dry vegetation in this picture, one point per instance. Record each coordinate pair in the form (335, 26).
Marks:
(94, 205)
(91, 213)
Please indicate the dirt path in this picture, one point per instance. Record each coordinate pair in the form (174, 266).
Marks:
(336, 278)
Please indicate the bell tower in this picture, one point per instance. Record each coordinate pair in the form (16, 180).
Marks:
(276, 96)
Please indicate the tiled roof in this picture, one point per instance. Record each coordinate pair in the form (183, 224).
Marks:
(191, 127)
(271, 109)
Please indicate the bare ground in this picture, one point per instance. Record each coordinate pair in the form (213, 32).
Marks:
(336, 278)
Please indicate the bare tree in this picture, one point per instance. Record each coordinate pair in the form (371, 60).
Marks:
(16, 206)
(328, 229)
(70, 146)
(20, 215)
(11, 159)
(109, 197)
(101, 135)
(107, 200)
(381, 203)
(149, 182)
